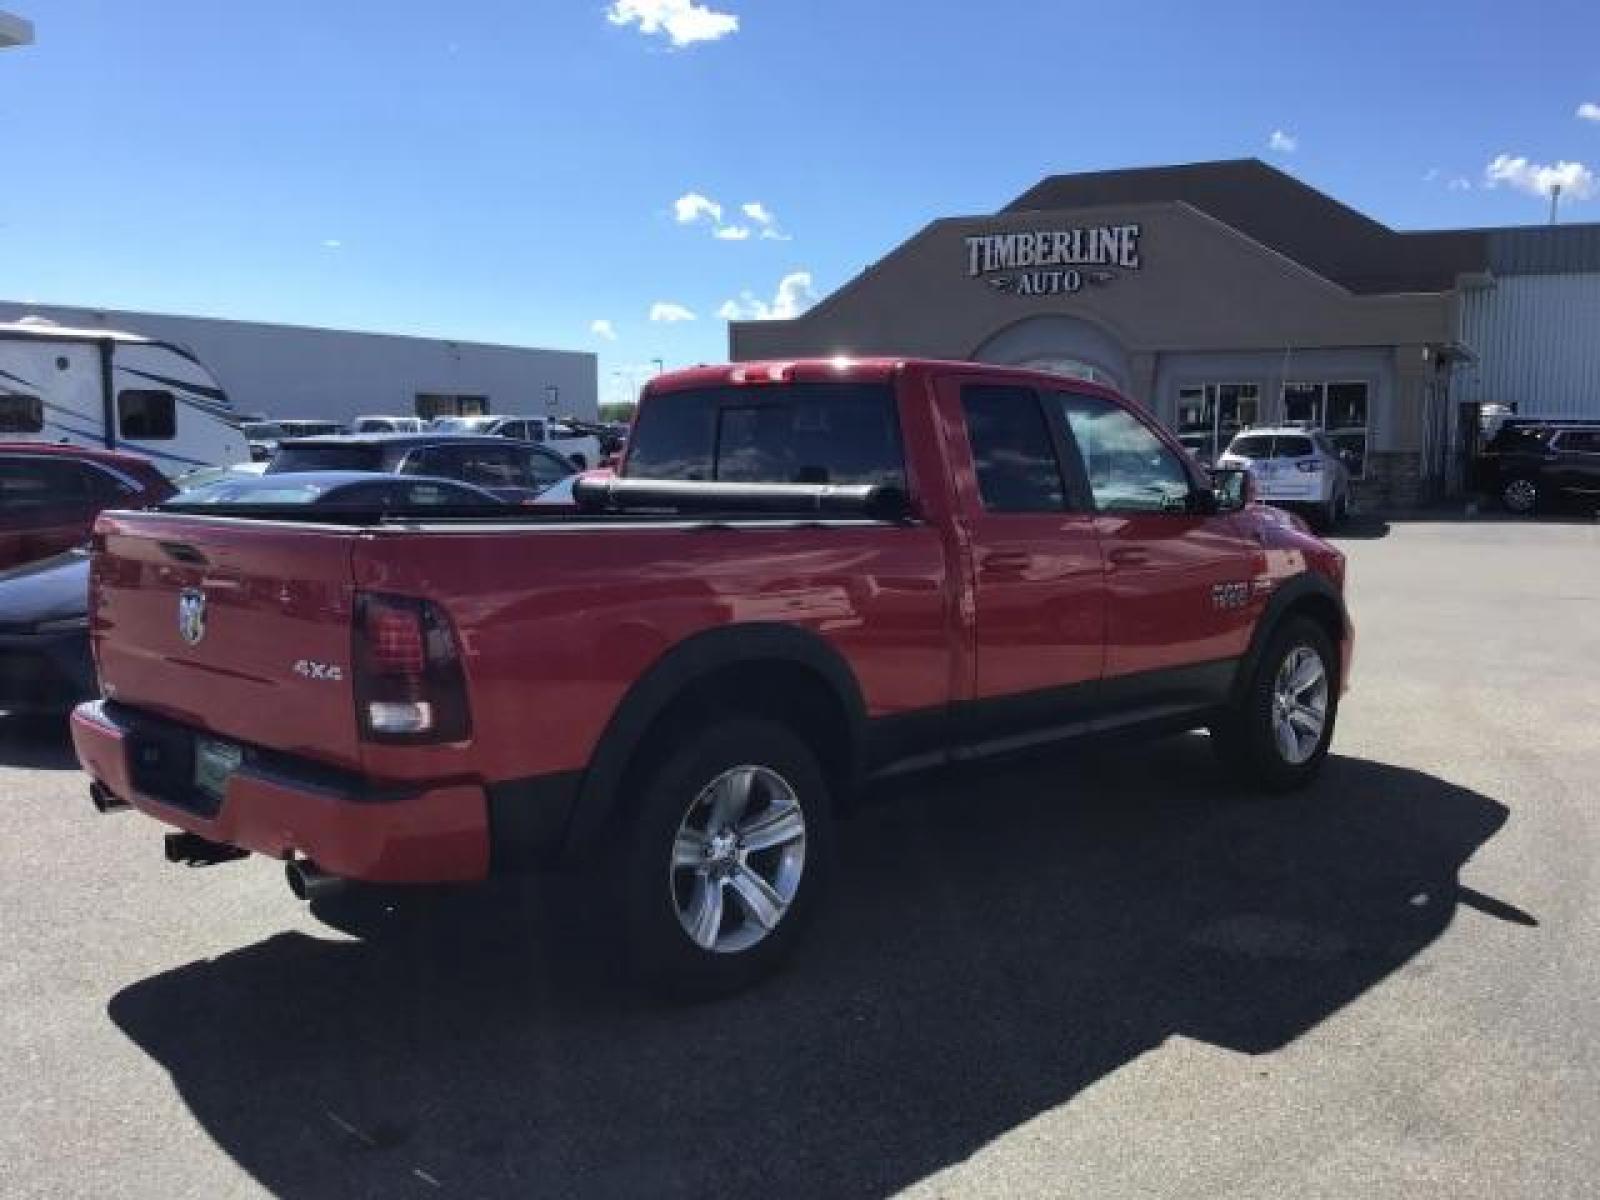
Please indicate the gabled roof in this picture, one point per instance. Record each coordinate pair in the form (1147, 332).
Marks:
(1280, 212)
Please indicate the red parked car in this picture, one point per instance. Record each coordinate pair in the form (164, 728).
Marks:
(805, 576)
(50, 495)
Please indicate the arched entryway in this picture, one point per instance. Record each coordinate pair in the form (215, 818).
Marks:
(1065, 345)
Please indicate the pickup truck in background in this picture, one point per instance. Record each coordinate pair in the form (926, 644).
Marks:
(804, 576)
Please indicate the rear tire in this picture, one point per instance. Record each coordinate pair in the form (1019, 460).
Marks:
(1276, 734)
(725, 858)
(1520, 496)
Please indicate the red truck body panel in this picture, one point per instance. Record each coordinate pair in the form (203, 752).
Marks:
(962, 621)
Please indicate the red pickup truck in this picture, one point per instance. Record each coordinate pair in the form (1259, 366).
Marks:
(805, 575)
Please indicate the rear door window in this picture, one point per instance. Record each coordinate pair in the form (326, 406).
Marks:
(1579, 441)
(310, 456)
(845, 433)
(486, 466)
(1012, 452)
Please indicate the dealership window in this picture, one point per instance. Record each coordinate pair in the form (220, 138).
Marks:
(21, 414)
(440, 404)
(146, 414)
(1209, 414)
(1343, 409)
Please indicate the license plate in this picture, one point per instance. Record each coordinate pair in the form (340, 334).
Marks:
(214, 762)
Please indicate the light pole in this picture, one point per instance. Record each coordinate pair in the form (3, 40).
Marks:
(660, 366)
(14, 31)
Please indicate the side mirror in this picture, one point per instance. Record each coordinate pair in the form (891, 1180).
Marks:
(1233, 487)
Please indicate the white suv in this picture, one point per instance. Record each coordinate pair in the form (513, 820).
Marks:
(1294, 468)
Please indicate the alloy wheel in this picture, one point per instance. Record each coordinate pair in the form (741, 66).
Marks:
(737, 859)
(1520, 495)
(1299, 705)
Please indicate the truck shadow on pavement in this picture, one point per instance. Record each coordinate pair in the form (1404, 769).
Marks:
(999, 941)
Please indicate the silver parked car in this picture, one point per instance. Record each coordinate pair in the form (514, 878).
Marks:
(1294, 468)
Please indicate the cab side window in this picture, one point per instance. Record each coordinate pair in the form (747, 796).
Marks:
(1012, 451)
(1129, 468)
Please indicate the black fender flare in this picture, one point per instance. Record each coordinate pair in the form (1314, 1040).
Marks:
(1288, 596)
(680, 668)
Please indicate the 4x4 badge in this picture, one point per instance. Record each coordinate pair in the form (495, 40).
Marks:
(192, 615)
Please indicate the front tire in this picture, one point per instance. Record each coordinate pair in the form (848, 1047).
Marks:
(1277, 732)
(726, 857)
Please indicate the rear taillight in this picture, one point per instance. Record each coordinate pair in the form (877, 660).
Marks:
(409, 686)
(1309, 466)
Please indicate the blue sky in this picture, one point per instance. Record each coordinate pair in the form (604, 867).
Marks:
(511, 171)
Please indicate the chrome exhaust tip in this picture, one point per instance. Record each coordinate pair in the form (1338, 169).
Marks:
(310, 882)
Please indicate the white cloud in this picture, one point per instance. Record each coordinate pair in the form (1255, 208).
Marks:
(332, 243)
(1283, 143)
(758, 212)
(603, 328)
(1577, 182)
(793, 297)
(1588, 111)
(1433, 173)
(731, 233)
(1460, 184)
(692, 206)
(683, 21)
(670, 313)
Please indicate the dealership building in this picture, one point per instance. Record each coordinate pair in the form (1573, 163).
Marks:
(298, 371)
(1228, 294)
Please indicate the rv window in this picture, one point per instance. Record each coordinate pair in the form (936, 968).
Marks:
(21, 414)
(148, 415)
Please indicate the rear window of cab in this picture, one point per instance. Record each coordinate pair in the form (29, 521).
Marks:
(844, 433)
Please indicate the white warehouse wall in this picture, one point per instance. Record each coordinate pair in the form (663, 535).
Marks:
(1537, 338)
(299, 371)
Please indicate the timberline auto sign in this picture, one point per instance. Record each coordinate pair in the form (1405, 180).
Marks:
(1052, 262)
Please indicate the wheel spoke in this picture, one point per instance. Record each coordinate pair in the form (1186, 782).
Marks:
(688, 849)
(705, 912)
(763, 904)
(731, 798)
(1307, 674)
(1306, 719)
(1288, 744)
(775, 827)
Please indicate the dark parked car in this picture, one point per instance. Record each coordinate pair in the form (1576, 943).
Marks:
(513, 471)
(44, 635)
(51, 494)
(1530, 466)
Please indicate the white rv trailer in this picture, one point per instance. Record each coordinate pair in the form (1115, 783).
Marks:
(97, 387)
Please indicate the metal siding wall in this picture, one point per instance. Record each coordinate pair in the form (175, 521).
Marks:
(1537, 338)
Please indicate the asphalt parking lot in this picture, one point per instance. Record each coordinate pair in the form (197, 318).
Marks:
(1101, 975)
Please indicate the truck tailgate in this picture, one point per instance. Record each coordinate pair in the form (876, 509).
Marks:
(238, 627)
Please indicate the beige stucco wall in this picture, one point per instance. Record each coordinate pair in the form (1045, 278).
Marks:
(1200, 286)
